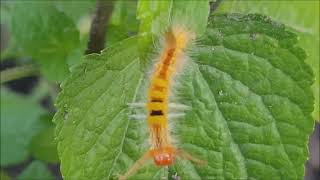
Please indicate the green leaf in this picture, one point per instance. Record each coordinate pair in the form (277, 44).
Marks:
(36, 170)
(46, 34)
(302, 16)
(75, 9)
(249, 89)
(43, 146)
(153, 16)
(123, 22)
(89, 115)
(9, 48)
(156, 16)
(311, 44)
(251, 98)
(19, 123)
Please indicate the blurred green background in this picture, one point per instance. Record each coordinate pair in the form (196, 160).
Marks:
(45, 39)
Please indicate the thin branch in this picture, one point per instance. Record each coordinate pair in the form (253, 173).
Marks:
(214, 5)
(18, 72)
(99, 26)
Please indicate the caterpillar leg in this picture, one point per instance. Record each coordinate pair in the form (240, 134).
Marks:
(136, 166)
(179, 106)
(175, 115)
(188, 156)
(138, 116)
(137, 105)
(174, 106)
(144, 117)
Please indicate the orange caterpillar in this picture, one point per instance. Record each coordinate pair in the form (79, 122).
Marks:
(162, 150)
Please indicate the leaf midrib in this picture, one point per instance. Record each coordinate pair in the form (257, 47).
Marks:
(126, 130)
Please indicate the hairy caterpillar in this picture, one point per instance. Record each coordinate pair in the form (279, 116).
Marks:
(173, 55)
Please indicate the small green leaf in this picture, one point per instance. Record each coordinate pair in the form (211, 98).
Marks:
(36, 170)
(192, 14)
(123, 22)
(153, 16)
(75, 9)
(156, 16)
(43, 146)
(19, 123)
(46, 34)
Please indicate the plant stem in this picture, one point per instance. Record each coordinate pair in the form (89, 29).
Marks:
(99, 26)
(18, 72)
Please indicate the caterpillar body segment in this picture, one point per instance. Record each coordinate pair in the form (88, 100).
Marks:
(173, 106)
(158, 108)
(144, 117)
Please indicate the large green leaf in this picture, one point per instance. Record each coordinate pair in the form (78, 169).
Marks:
(19, 123)
(302, 16)
(249, 89)
(252, 102)
(46, 34)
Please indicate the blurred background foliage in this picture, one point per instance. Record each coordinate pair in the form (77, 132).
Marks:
(46, 39)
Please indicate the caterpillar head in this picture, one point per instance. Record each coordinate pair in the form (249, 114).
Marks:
(164, 157)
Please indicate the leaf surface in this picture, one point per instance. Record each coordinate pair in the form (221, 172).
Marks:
(302, 16)
(252, 102)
